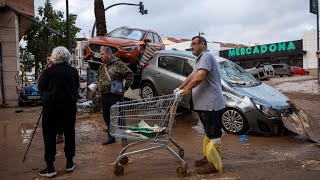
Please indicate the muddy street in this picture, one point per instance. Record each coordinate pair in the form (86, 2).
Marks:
(259, 157)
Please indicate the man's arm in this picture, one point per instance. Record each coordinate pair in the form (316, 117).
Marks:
(185, 82)
(197, 79)
(128, 76)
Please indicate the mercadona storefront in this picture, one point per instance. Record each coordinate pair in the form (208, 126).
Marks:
(289, 52)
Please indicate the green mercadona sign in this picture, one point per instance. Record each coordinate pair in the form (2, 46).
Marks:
(268, 48)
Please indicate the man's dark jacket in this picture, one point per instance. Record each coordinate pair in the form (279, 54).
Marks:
(59, 86)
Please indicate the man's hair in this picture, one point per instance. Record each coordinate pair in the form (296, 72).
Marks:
(60, 55)
(106, 49)
(201, 40)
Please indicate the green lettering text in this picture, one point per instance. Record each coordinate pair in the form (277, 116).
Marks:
(248, 50)
(238, 52)
(263, 49)
(282, 46)
(273, 48)
(232, 52)
(243, 51)
(291, 46)
(256, 50)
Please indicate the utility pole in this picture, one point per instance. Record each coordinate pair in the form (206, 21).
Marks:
(68, 26)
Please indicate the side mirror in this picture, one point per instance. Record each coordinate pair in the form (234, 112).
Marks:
(147, 40)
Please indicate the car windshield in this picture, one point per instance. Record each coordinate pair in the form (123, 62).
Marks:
(233, 73)
(123, 33)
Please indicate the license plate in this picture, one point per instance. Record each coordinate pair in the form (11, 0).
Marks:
(33, 97)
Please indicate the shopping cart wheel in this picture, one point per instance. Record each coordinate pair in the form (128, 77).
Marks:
(118, 170)
(124, 160)
(181, 153)
(182, 171)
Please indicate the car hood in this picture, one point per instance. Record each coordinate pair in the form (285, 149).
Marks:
(33, 87)
(114, 41)
(266, 94)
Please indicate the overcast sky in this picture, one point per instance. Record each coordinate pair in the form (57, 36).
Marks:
(235, 21)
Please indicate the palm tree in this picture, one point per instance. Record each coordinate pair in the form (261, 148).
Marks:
(100, 17)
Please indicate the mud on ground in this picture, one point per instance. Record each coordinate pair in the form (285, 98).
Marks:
(259, 157)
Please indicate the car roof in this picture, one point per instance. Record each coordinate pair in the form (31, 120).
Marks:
(187, 54)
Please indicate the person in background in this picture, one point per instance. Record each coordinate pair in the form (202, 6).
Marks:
(208, 101)
(117, 71)
(58, 87)
(59, 138)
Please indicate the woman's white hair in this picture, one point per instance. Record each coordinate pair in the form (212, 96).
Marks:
(60, 55)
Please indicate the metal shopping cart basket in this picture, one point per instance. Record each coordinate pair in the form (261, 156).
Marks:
(146, 121)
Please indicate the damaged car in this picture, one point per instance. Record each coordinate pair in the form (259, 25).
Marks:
(29, 94)
(251, 106)
(126, 43)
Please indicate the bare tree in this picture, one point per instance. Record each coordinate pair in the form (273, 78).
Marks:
(100, 17)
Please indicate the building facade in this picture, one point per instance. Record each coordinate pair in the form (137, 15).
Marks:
(310, 48)
(289, 52)
(15, 19)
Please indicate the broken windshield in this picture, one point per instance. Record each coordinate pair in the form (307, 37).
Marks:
(233, 73)
(127, 34)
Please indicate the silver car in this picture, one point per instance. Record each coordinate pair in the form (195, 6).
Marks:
(251, 106)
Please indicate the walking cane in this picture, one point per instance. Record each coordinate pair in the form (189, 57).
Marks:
(24, 158)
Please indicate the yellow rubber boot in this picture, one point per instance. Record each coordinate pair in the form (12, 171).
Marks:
(213, 150)
(206, 140)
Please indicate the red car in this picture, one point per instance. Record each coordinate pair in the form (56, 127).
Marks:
(126, 43)
(299, 71)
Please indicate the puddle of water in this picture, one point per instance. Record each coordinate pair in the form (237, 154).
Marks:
(26, 130)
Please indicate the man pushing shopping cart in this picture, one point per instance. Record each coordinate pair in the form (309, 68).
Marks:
(208, 101)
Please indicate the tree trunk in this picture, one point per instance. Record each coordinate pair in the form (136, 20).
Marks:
(100, 17)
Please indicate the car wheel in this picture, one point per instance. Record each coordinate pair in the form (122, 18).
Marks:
(306, 73)
(291, 74)
(234, 122)
(147, 90)
(21, 104)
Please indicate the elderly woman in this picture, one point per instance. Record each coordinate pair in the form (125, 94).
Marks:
(58, 86)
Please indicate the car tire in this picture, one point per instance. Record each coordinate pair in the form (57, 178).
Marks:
(291, 74)
(147, 90)
(234, 121)
(21, 104)
(306, 73)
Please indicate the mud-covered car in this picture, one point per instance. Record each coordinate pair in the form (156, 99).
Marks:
(126, 43)
(282, 70)
(251, 106)
(262, 71)
(30, 94)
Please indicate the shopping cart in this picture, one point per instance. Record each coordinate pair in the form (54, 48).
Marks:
(146, 121)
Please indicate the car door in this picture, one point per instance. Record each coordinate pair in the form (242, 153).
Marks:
(188, 65)
(158, 43)
(169, 74)
(154, 43)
